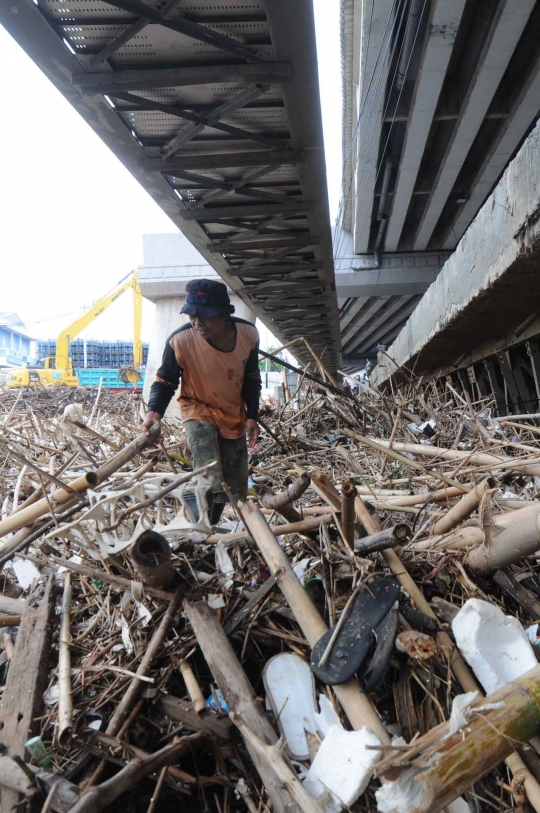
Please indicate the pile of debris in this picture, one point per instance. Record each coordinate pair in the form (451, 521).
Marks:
(327, 647)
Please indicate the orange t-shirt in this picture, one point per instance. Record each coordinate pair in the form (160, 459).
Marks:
(213, 380)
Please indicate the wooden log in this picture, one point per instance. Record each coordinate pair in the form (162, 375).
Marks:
(27, 678)
(508, 547)
(246, 711)
(464, 508)
(450, 766)
(356, 704)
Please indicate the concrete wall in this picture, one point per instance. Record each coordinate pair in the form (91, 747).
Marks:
(489, 285)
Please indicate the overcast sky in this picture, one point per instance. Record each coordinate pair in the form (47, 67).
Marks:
(72, 217)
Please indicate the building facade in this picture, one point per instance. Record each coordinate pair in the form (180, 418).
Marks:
(15, 341)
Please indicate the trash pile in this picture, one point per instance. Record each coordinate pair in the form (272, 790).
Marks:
(327, 647)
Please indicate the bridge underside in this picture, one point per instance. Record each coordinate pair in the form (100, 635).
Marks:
(214, 108)
(438, 97)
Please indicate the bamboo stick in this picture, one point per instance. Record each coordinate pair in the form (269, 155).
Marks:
(464, 508)
(356, 704)
(508, 547)
(348, 495)
(194, 690)
(301, 527)
(482, 458)
(65, 702)
(451, 765)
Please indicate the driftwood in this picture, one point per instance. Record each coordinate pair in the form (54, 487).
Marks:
(282, 502)
(27, 676)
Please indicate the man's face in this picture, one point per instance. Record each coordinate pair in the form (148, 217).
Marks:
(209, 329)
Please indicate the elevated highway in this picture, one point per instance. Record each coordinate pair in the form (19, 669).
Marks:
(214, 107)
(439, 95)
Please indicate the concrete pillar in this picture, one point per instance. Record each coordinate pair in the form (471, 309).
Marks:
(170, 262)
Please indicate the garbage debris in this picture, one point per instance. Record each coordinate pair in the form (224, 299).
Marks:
(382, 576)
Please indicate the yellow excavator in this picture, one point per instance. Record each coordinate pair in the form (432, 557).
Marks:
(59, 369)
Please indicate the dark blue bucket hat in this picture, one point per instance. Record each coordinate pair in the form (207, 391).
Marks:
(207, 298)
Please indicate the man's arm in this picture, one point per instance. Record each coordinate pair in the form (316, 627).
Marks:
(167, 380)
(251, 392)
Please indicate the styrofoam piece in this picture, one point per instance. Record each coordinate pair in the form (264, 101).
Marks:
(327, 716)
(405, 794)
(494, 645)
(343, 767)
(290, 687)
(25, 571)
(223, 560)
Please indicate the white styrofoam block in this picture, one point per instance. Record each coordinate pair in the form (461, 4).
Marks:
(494, 645)
(343, 766)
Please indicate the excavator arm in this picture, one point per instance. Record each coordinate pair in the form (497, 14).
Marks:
(63, 360)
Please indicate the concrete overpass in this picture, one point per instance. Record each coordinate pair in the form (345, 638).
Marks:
(438, 97)
(214, 108)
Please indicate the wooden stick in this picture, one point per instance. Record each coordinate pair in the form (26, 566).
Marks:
(65, 703)
(108, 578)
(145, 665)
(356, 704)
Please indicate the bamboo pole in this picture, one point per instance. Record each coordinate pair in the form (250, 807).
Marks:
(464, 508)
(356, 704)
(508, 547)
(451, 765)
(481, 458)
(65, 702)
(348, 517)
(193, 689)
(301, 527)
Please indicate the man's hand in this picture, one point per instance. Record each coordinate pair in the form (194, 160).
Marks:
(151, 419)
(252, 432)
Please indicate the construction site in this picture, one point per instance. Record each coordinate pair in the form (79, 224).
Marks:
(305, 577)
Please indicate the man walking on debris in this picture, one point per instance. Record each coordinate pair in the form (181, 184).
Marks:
(216, 356)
